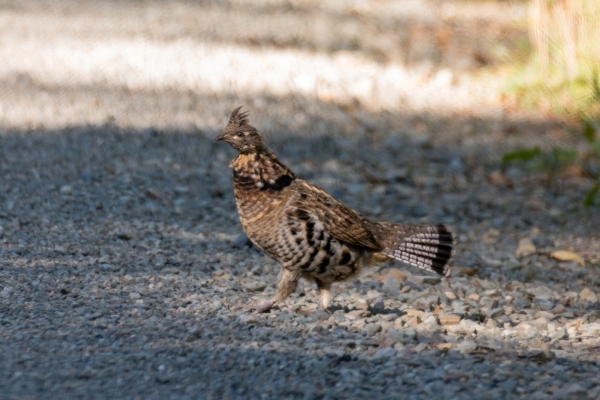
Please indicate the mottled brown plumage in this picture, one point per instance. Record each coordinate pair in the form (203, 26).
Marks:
(310, 233)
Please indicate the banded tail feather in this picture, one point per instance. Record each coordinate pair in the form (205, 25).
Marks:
(426, 247)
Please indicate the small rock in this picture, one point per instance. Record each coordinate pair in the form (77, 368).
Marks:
(414, 313)
(396, 273)
(467, 347)
(361, 304)
(488, 302)
(420, 347)
(66, 190)
(241, 241)
(465, 326)
(588, 296)
(399, 346)
(525, 248)
(378, 305)
(545, 304)
(449, 319)
(491, 236)
(542, 242)
(152, 195)
(474, 297)
(321, 328)
(164, 377)
(372, 329)
(398, 323)
(590, 329)
(571, 391)
(171, 270)
(414, 322)
(5, 292)
(430, 280)
(373, 295)
(134, 296)
(548, 315)
(558, 334)
(391, 285)
(541, 324)
(248, 319)
(124, 235)
(494, 312)
(368, 342)
(396, 336)
(320, 315)
(522, 302)
(386, 352)
(460, 311)
(450, 295)
(253, 286)
(356, 314)
(559, 309)
(430, 325)
(410, 333)
(492, 262)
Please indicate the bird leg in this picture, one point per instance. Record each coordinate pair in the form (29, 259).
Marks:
(287, 285)
(325, 295)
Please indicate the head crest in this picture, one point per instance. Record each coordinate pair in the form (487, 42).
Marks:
(237, 118)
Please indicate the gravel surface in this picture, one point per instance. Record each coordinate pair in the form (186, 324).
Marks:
(123, 273)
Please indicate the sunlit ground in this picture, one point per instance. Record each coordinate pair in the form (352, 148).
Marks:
(184, 65)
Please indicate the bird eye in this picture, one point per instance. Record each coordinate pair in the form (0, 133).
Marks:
(240, 134)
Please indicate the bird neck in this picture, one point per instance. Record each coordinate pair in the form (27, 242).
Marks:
(262, 170)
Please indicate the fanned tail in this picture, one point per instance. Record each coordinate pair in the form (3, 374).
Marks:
(427, 247)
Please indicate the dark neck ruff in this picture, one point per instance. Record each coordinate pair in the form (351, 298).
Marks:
(261, 171)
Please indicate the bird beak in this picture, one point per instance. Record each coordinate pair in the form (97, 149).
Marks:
(219, 138)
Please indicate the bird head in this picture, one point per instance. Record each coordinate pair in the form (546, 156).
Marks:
(240, 134)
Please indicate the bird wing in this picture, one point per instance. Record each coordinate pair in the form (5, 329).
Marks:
(340, 221)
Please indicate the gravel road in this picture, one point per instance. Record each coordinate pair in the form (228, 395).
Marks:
(122, 270)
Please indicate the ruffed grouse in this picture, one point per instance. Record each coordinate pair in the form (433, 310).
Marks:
(310, 233)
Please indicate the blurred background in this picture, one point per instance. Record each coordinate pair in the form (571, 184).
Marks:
(376, 101)
(183, 65)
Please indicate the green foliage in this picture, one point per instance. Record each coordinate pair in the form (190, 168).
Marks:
(522, 154)
(560, 72)
(561, 76)
(557, 158)
(589, 199)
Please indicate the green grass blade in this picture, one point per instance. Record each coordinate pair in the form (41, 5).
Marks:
(522, 154)
(589, 199)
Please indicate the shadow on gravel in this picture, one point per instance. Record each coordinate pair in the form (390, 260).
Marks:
(89, 212)
(171, 358)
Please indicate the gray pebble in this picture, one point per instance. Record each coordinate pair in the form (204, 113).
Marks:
(467, 347)
(372, 329)
(385, 352)
(242, 241)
